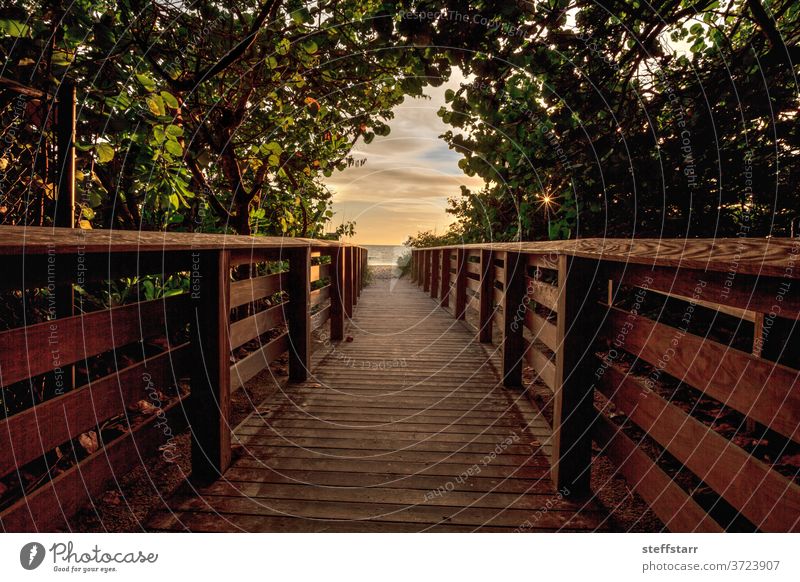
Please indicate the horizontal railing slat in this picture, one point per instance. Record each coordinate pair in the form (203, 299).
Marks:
(669, 502)
(765, 497)
(251, 365)
(45, 508)
(250, 290)
(247, 329)
(320, 317)
(43, 427)
(542, 330)
(543, 293)
(320, 295)
(758, 388)
(543, 366)
(29, 351)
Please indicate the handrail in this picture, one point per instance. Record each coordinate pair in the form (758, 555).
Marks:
(578, 313)
(231, 309)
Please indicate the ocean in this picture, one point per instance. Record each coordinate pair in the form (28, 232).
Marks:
(383, 255)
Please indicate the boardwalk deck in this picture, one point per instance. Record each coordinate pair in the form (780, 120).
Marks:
(405, 428)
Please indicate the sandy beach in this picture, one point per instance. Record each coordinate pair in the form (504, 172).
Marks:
(384, 271)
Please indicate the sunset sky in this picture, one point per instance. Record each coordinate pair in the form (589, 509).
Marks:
(409, 174)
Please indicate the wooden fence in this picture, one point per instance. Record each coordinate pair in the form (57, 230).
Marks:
(65, 376)
(585, 317)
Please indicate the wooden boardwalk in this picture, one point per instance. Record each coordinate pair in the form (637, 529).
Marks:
(405, 428)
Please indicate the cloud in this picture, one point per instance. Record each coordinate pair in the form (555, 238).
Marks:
(408, 176)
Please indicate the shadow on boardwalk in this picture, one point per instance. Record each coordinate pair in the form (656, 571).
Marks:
(405, 428)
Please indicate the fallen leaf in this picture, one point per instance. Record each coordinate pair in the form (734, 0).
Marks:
(88, 441)
(143, 407)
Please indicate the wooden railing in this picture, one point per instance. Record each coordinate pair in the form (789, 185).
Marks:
(613, 328)
(86, 397)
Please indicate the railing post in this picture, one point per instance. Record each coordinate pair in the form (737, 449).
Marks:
(435, 271)
(513, 319)
(577, 317)
(337, 295)
(461, 284)
(413, 266)
(444, 278)
(426, 271)
(298, 318)
(348, 281)
(209, 401)
(486, 296)
(356, 275)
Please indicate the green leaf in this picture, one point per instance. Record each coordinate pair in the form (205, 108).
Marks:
(14, 28)
(174, 130)
(283, 47)
(156, 104)
(146, 81)
(310, 47)
(173, 147)
(104, 151)
(169, 99)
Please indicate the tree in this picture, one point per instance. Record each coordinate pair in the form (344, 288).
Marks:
(586, 123)
(212, 115)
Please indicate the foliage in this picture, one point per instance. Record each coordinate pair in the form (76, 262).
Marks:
(206, 115)
(586, 123)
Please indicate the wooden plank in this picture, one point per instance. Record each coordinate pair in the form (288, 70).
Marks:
(485, 310)
(513, 321)
(758, 388)
(543, 366)
(765, 497)
(426, 270)
(460, 285)
(473, 268)
(42, 347)
(255, 255)
(253, 363)
(249, 290)
(436, 270)
(320, 317)
(498, 297)
(678, 511)
(572, 392)
(349, 281)
(39, 429)
(740, 290)
(444, 279)
(297, 315)
(542, 330)
(320, 295)
(500, 272)
(418, 514)
(209, 402)
(732, 311)
(319, 272)
(472, 284)
(337, 295)
(249, 328)
(542, 293)
(745, 256)
(549, 261)
(48, 507)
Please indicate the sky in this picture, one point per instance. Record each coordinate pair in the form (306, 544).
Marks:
(404, 185)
